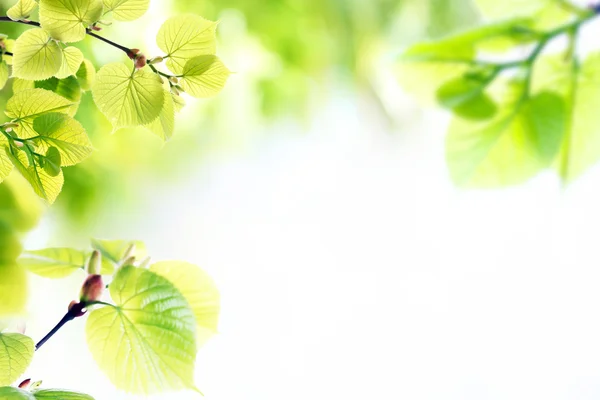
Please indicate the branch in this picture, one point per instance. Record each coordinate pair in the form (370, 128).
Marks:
(77, 310)
(127, 51)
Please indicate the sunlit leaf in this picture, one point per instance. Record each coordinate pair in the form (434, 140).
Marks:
(44, 185)
(13, 393)
(36, 56)
(126, 10)
(184, 37)
(27, 105)
(204, 76)
(3, 74)
(199, 290)
(544, 13)
(146, 343)
(65, 134)
(16, 353)
(22, 10)
(9, 45)
(86, 74)
(6, 166)
(67, 20)
(13, 281)
(72, 59)
(128, 98)
(60, 394)
(54, 262)
(164, 125)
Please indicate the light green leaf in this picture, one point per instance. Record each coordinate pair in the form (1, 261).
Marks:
(54, 262)
(60, 394)
(68, 88)
(146, 343)
(204, 76)
(44, 185)
(164, 125)
(25, 106)
(128, 98)
(504, 150)
(13, 393)
(36, 56)
(184, 37)
(16, 353)
(3, 74)
(544, 13)
(199, 290)
(65, 134)
(13, 281)
(113, 252)
(178, 103)
(72, 59)
(9, 45)
(126, 10)
(67, 20)
(546, 113)
(51, 162)
(86, 74)
(6, 166)
(22, 10)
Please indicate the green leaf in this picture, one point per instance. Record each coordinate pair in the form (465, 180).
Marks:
(72, 59)
(128, 98)
(6, 166)
(506, 149)
(52, 161)
(546, 114)
(67, 20)
(184, 37)
(127, 10)
(13, 281)
(146, 343)
(25, 106)
(3, 74)
(199, 290)
(86, 74)
(44, 185)
(12, 393)
(60, 394)
(54, 262)
(64, 133)
(22, 10)
(204, 76)
(36, 56)
(164, 125)
(113, 252)
(16, 353)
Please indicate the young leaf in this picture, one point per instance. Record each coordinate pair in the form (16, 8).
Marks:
(22, 10)
(199, 290)
(86, 74)
(126, 10)
(547, 116)
(36, 56)
(54, 262)
(164, 125)
(503, 150)
(44, 185)
(113, 252)
(184, 37)
(9, 45)
(3, 74)
(128, 98)
(64, 133)
(204, 76)
(59, 394)
(16, 353)
(72, 59)
(146, 343)
(52, 162)
(6, 166)
(67, 20)
(13, 393)
(23, 107)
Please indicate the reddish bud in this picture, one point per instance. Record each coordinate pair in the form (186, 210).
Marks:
(140, 61)
(92, 288)
(96, 28)
(24, 384)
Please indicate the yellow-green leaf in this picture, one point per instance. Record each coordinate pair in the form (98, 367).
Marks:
(21, 10)
(13, 393)
(67, 20)
(13, 281)
(23, 107)
(36, 56)
(16, 353)
(3, 74)
(199, 290)
(59, 394)
(86, 74)
(54, 262)
(65, 134)
(9, 45)
(146, 343)
(204, 76)
(164, 125)
(6, 166)
(128, 98)
(72, 59)
(184, 37)
(126, 10)
(44, 184)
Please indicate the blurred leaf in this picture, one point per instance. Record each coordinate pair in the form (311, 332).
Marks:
(128, 98)
(16, 353)
(20, 208)
(60, 394)
(126, 10)
(36, 57)
(12, 393)
(199, 290)
(21, 10)
(204, 76)
(146, 343)
(113, 252)
(54, 262)
(67, 20)
(13, 283)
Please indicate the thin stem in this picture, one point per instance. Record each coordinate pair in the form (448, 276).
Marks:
(32, 23)
(75, 311)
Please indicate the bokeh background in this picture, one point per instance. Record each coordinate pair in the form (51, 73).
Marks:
(315, 191)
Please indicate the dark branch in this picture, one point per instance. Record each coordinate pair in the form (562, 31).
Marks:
(77, 310)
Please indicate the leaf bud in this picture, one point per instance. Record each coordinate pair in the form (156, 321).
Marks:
(94, 264)
(140, 61)
(96, 28)
(175, 90)
(156, 60)
(25, 383)
(19, 144)
(92, 288)
(174, 80)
